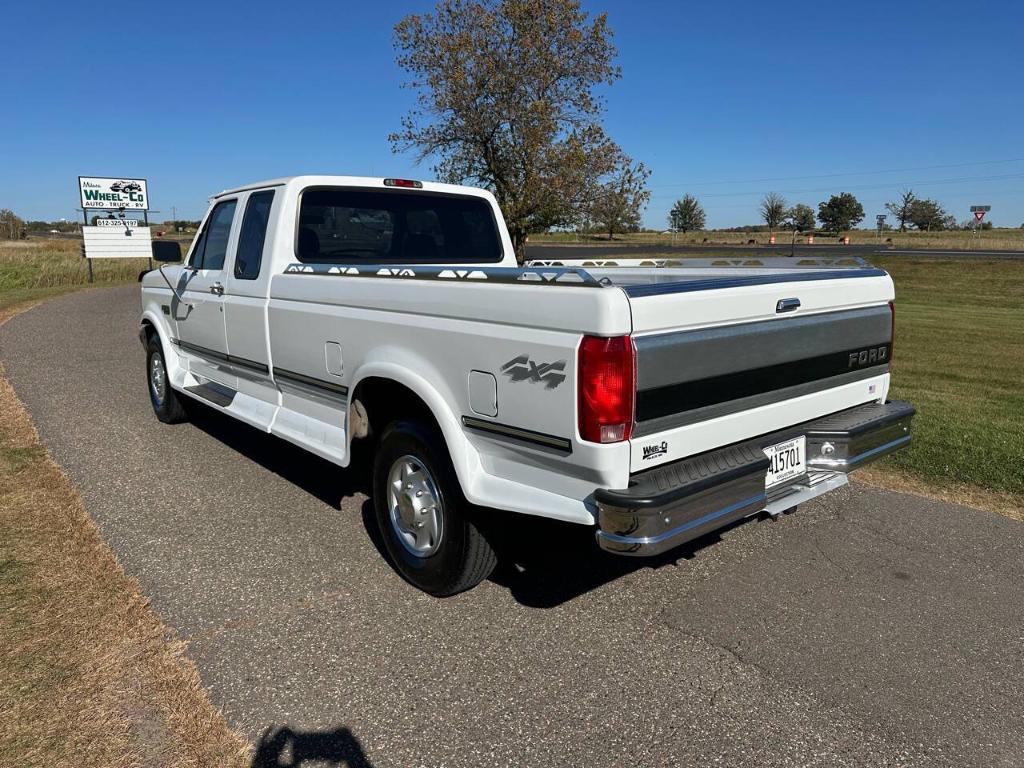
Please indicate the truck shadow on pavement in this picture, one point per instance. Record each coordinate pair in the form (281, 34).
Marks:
(285, 747)
(318, 477)
(545, 563)
(542, 562)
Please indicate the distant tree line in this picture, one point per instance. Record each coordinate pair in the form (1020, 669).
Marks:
(63, 226)
(840, 213)
(182, 224)
(11, 225)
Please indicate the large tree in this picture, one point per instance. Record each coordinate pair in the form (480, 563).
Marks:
(506, 98)
(901, 208)
(929, 215)
(801, 217)
(686, 215)
(620, 200)
(773, 210)
(841, 213)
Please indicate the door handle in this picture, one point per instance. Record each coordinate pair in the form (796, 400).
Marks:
(217, 289)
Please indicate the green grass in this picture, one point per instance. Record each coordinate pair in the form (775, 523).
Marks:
(1006, 239)
(959, 358)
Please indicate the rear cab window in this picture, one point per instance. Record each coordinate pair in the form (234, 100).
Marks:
(338, 224)
(249, 254)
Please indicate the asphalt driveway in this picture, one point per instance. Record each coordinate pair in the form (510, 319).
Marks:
(868, 629)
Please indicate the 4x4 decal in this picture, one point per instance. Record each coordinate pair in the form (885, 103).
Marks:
(522, 368)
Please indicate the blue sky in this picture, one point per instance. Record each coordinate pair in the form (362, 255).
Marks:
(723, 100)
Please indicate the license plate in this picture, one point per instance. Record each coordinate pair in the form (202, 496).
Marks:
(786, 461)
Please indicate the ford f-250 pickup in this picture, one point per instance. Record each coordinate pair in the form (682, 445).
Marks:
(654, 400)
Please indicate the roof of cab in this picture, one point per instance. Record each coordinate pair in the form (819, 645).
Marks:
(348, 181)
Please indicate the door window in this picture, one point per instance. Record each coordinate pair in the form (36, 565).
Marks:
(249, 255)
(212, 245)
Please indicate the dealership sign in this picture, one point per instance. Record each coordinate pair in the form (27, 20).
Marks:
(116, 243)
(113, 193)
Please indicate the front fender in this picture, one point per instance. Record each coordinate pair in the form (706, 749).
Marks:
(152, 317)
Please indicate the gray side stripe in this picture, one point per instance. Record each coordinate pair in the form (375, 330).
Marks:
(517, 433)
(310, 381)
(220, 357)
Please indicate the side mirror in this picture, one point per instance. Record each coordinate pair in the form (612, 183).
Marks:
(166, 250)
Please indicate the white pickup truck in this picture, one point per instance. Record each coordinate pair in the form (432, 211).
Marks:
(655, 400)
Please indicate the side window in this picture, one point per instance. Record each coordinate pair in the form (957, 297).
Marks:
(216, 245)
(212, 244)
(196, 259)
(254, 233)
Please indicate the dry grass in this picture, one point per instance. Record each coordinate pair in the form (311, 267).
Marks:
(33, 265)
(88, 676)
(1007, 504)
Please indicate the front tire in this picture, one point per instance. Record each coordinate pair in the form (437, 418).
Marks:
(165, 401)
(423, 518)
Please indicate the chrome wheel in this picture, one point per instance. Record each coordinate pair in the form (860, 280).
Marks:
(415, 506)
(157, 378)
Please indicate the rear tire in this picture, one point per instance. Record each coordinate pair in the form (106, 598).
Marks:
(424, 520)
(166, 403)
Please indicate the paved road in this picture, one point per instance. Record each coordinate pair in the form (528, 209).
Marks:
(872, 629)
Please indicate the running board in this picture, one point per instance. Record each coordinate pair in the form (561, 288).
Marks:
(213, 392)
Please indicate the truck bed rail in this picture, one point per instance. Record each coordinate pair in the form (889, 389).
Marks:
(567, 276)
(751, 262)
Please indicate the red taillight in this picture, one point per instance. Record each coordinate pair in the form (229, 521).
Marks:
(606, 382)
(892, 331)
(409, 183)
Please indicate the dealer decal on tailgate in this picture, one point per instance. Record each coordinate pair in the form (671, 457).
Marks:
(653, 451)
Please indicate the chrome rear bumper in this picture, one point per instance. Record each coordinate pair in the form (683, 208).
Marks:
(675, 503)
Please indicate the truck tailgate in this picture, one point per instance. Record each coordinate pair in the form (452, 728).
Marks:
(726, 356)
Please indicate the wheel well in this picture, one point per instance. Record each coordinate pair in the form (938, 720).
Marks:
(385, 400)
(147, 331)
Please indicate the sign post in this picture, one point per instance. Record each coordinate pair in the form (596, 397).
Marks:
(880, 223)
(114, 236)
(979, 212)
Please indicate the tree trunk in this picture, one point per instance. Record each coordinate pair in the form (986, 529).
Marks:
(518, 236)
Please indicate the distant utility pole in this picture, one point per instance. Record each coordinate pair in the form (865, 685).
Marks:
(174, 213)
